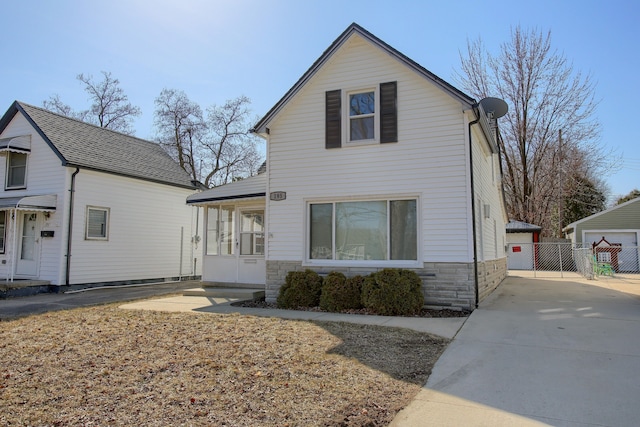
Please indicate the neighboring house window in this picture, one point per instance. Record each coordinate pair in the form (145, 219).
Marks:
(3, 228)
(16, 170)
(252, 233)
(364, 230)
(97, 223)
(220, 223)
(371, 116)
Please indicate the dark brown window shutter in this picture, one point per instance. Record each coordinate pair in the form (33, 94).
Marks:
(388, 112)
(333, 119)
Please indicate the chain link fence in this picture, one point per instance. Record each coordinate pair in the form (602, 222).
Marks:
(559, 258)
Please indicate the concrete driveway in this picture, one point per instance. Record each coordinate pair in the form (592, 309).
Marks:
(540, 351)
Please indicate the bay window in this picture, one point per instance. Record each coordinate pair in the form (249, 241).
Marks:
(363, 230)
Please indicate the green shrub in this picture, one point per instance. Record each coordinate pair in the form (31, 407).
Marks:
(340, 293)
(300, 289)
(393, 292)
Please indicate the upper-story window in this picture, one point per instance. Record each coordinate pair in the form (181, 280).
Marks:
(362, 109)
(16, 170)
(371, 115)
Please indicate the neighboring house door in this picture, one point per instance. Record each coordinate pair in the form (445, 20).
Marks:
(28, 244)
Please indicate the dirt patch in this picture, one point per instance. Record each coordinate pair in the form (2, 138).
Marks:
(106, 366)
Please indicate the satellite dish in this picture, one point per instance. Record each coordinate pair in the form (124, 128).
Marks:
(494, 106)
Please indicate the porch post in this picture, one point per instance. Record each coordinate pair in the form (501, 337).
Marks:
(14, 216)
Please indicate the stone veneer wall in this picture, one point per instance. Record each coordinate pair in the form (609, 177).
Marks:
(443, 284)
(490, 274)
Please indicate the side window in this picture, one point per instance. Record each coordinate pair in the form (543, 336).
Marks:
(97, 223)
(3, 228)
(16, 171)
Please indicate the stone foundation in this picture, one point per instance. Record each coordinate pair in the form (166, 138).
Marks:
(444, 285)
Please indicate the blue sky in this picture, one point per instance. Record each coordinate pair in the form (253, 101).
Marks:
(216, 50)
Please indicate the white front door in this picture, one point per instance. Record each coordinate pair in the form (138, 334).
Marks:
(28, 245)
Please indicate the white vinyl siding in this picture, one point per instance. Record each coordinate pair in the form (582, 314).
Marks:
(428, 162)
(149, 230)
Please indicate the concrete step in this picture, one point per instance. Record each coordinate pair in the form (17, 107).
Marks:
(217, 292)
(231, 285)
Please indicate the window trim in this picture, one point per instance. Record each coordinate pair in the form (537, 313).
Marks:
(346, 129)
(8, 168)
(106, 224)
(417, 263)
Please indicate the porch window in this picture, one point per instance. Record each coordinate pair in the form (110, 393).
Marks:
(16, 171)
(3, 230)
(220, 238)
(97, 223)
(252, 233)
(363, 230)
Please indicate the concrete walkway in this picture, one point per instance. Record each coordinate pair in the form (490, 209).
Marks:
(561, 352)
(444, 327)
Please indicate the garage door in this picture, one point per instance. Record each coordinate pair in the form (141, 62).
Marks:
(628, 257)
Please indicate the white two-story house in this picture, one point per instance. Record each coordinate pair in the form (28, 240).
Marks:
(372, 162)
(84, 205)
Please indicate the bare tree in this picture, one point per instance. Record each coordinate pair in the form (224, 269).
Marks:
(550, 129)
(214, 150)
(110, 107)
(180, 125)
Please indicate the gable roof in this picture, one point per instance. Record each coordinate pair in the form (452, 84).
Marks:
(354, 28)
(596, 215)
(83, 145)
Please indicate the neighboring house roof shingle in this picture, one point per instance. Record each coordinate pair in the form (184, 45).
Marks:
(80, 144)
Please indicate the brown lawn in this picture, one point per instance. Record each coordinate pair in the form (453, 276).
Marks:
(106, 366)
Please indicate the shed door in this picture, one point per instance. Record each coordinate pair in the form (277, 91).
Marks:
(520, 251)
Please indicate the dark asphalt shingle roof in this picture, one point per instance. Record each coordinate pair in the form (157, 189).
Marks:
(83, 145)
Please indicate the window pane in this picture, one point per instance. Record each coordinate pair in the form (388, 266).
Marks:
(212, 231)
(17, 170)
(321, 226)
(361, 230)
(361, 103)
(97, 223)
(404, 243)
(252, 235)
(361, 129)
(226, 230)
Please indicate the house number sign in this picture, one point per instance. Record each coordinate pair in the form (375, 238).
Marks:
(277, 195)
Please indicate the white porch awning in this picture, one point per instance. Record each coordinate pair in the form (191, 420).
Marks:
(17, 144)
(45, 203)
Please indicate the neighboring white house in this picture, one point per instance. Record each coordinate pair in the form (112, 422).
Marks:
(84, 205)
(618, 226)
(372, 162)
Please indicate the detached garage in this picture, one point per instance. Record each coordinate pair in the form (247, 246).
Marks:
(618, 226)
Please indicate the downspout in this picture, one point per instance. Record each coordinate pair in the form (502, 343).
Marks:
(473, 208)
(72, 191)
